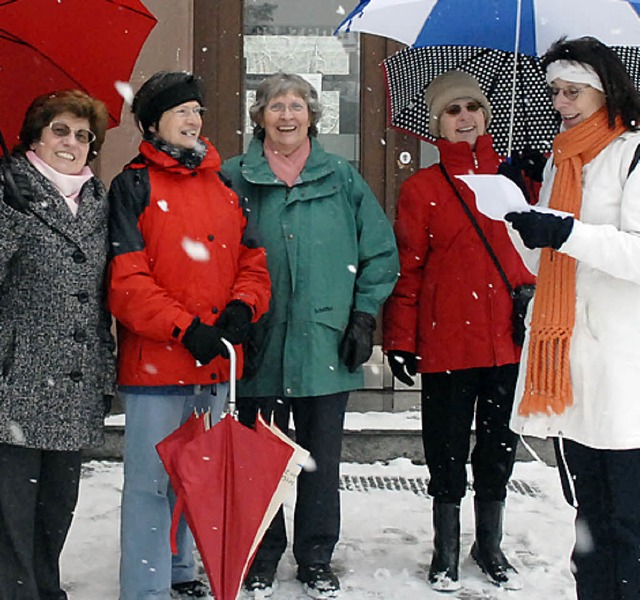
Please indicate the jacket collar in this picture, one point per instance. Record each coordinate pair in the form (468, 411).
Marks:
(256, 170)
(51, 208)
(162, 161)
(459, 158)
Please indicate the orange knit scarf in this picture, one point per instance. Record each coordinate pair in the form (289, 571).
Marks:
(548, 379)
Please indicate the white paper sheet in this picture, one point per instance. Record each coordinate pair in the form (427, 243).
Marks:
(497, 195)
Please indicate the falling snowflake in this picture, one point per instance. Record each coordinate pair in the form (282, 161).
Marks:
(195, 250)
(125, 90)
(163, 205)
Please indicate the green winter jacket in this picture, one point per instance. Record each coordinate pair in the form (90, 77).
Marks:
(330, 250)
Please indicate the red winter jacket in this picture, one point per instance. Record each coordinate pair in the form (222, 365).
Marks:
(450, 306)
(181, 249)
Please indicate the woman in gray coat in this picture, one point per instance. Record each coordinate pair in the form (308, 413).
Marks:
(56, 350)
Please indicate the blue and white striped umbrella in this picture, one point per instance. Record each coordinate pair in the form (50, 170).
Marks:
(521, 26)
(497, 41)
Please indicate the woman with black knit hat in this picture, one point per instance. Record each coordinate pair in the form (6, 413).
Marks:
(184, 273)
(450, 319)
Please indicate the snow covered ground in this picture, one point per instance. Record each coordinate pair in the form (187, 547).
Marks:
(385, 546)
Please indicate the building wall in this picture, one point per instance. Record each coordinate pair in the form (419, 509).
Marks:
(168, 47)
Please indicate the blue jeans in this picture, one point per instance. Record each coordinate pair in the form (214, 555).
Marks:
(147, 568)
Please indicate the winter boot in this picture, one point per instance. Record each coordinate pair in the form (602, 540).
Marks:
(443, 572)
(486, 549)
(261, 581)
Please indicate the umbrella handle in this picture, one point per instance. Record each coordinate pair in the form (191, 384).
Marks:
(232, 375)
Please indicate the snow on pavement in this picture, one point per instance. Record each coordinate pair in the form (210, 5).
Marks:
(385, 546)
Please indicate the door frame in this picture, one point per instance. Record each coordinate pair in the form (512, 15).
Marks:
(218, 59)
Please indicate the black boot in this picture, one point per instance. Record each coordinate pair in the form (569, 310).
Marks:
(486, 549)
(443, 572)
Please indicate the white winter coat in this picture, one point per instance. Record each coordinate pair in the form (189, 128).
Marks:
(605, 347)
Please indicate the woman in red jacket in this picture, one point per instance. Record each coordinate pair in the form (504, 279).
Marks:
(450, 319)
(185, 272)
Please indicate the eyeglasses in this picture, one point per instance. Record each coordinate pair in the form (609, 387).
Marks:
(184, 111)
(281, 107)
(456, 109)
(62, 130)
(570, 93)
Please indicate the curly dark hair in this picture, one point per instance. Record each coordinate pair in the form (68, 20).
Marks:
(47, 107)
(622, 98)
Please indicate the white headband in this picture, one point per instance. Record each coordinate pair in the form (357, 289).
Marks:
(575, 72)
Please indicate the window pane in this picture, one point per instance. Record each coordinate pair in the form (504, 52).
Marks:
(296, 36)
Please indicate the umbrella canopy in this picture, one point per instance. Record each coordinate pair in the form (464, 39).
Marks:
(527, 114)
(230, 481)
(497, 42)
(526, 26)
(47, 45)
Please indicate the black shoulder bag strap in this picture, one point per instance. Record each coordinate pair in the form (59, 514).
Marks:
(477, 227)
(634, 162)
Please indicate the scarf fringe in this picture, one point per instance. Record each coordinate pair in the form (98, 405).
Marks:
(547, 387)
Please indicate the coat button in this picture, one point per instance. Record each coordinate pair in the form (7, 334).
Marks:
(210, 237)
(291, 236)
(75, 375)
(214, 376)
(79, 257)
(80, 335)
(83, 297)
(215, 310)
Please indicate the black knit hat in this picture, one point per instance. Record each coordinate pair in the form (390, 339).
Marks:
(163, 91)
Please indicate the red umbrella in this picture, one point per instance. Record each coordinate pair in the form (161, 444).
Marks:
(230, 481)
(47, 45)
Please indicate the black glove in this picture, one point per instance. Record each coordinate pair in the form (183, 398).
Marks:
(541, 230)
(17, 190)
(235, 322)
(512, 170)
(357, 343)
(203, 341)
(403, 365)
(532, 162)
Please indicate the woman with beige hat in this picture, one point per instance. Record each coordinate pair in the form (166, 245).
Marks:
(450, 319)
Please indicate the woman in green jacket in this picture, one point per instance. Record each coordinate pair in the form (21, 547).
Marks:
(333, 261)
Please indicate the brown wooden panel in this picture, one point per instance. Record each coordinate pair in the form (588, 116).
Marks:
(381, 146)
(218, 59)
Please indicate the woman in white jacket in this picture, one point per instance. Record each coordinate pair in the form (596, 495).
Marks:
(580, 373)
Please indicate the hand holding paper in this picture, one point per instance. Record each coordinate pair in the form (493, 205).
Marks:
(497, 195)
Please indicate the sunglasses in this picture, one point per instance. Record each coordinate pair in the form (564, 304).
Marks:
(62, 130)
(456, 109)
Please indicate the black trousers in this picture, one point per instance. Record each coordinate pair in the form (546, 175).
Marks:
(319, 422)
(606, 489)
(449, 402)
(38, 494)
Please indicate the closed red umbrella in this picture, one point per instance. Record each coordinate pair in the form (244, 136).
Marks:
(230, 481)
(47, 45)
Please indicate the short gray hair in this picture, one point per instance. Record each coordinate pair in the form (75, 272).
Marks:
(279, 84)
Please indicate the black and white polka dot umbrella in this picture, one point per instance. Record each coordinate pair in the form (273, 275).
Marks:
(535, 124)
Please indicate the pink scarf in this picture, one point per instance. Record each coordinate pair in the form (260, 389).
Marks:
(69, 186)
(287, 168)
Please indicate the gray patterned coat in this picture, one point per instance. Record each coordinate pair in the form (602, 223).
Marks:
(56, 350)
